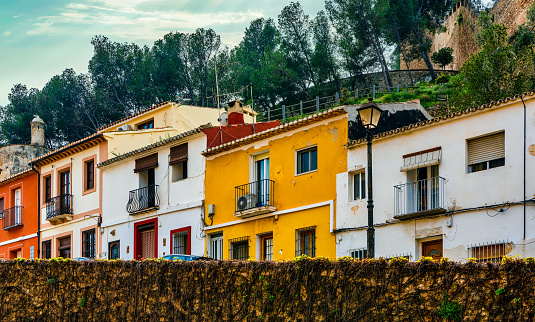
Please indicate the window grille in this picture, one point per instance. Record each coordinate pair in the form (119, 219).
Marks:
(490, 252)
(88, 243)
(267, 248)
(239, 248)
(180, 243)
(305, 243)
(403, 255)
(359, 254)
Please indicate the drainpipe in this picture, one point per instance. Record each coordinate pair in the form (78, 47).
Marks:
(38, 213)
(524, 197)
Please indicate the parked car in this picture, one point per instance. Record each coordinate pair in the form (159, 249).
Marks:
(81, 259)
(172, 257)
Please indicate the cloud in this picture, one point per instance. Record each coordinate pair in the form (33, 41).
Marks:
(6, 33)
(121, 18)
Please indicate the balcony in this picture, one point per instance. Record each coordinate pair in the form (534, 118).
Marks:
(255, 198)
(59, 208)
(422, 198)
(12, 218)
(143, 200)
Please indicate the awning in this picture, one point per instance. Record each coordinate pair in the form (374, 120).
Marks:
(421, 159)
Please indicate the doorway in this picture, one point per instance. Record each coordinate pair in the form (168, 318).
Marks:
(146, 239)
(432, 248)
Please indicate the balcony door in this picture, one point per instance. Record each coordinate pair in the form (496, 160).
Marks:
(18, 210)
(65, 189)
(262, 181)
(423, 190)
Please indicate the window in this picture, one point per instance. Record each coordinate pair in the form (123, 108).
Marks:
(490, 252)
(88, 243)
(46, 251)
(267, 247)
(180, 243)
(359, 186)
(359, 254)
(486, 152)
(239, 248)
(216, 246)
(305, 242)
(89, 168)
(146, 125)
(48, 188)
(307, 160)
(64, 248)
(65, 183)
(1, 207)
(178, 159)
(114, 250)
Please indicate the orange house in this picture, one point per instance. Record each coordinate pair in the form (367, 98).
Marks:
(19, 215)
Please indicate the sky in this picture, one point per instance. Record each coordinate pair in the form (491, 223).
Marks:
(41, 38)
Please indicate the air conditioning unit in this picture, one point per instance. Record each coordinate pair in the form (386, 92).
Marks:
(126, 127)
(245, 202)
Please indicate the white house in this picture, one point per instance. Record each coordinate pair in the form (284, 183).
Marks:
(456, 186)
(153, 199)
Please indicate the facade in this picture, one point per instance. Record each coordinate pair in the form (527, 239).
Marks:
(71, 199)
(455, 186)
(19, 216)
(271, 195)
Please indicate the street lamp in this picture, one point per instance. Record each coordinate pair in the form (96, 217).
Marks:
(369, 117)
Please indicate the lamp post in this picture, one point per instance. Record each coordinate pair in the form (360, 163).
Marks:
(369, 117)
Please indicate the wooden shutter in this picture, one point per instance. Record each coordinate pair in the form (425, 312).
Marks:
(147, 244)
(486, 148)
(146, 163)
(179, 154)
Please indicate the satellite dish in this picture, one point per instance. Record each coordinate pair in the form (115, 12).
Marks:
(223, 119)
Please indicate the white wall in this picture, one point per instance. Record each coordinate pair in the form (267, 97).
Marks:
(180, 202)
(462, 189)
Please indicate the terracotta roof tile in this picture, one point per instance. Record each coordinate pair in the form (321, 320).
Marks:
(442, 118)
(154, 145)
(276, 130)
(17, 176)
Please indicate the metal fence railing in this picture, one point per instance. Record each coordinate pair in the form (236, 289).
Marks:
(12, 217)
(490, 251)
(143, 198)
(419, 196)
(58, 206)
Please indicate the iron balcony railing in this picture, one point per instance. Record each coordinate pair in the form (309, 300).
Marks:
(12, 217)
(419, 196)
(58, 206)
(143, 198)
(253, 195)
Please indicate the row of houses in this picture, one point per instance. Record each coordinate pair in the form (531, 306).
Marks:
(176, 179)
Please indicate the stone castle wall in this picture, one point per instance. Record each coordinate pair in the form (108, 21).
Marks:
(15, 158)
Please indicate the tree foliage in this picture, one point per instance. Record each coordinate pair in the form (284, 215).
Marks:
(443, 57)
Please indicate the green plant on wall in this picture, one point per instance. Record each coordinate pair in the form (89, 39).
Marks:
(499, 291)
(450, 309)
(82, 301)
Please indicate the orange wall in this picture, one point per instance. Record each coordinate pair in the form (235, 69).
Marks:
(29, 192)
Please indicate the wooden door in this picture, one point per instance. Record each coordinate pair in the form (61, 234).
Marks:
(432, 248)
(147, 244)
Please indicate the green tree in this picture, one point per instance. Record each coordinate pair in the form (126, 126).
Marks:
(324, 56)
(495, 72)
(296, 30)
(443, 57)
(18, 114)
(357, 23)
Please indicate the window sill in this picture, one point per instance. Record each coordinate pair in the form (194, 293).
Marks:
(86, 192)
(303, 173)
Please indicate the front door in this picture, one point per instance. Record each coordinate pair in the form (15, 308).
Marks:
(262, 179)
(432, 248)
(147, 244)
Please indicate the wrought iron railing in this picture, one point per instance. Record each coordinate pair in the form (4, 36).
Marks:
(253, 195)
(60, 205)
(12, 217)
(143, 198)
(490, 251)
(421, 195)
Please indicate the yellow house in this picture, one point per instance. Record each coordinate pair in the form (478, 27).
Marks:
(158, 123)
(271, 195)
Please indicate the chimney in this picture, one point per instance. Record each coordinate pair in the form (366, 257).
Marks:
(235, 113)
(38, 131)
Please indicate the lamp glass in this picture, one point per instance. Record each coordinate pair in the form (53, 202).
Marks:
(369, 116)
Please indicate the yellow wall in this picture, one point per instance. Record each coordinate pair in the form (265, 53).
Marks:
(230, 169)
